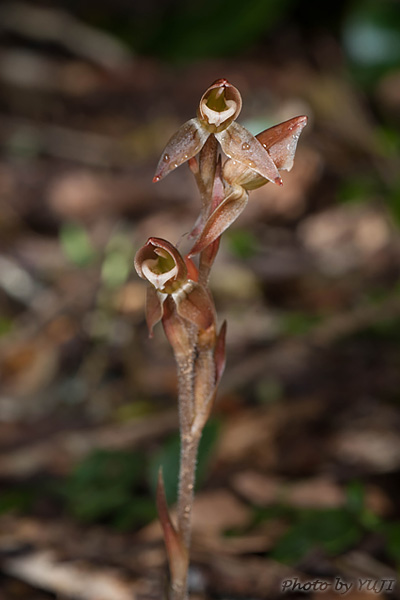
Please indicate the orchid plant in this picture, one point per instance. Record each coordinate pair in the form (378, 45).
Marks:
(178, 293)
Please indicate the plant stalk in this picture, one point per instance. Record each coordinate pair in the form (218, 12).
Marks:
(196, 377)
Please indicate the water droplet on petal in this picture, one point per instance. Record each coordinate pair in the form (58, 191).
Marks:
(166, 157)
(245, 146)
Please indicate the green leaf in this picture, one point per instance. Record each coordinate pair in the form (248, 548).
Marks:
(355, 500)
(76, 244)
(393, 540)
(357, 189)
(16, 499)
(334, 530)
(298, 323)
(242, 243)
(292, 547)
(118, 260)
(106, 485)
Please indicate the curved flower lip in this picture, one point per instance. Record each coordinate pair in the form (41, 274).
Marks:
(160, 263)
(220, 104)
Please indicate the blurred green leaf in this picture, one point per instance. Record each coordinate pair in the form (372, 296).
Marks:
(115, 269)
(109, 485)
(17, 499)
(334, 530)
(393, 199)
(292, 547)
(76, 244)
(298, 323)
(242, 243)
(269, 390)
(392, 533)
(6, 325)
(357, 189)
(118, 260)
(185, 31)
(355, 497)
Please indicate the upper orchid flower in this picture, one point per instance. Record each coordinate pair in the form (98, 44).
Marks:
(280, 144)
(219, 106)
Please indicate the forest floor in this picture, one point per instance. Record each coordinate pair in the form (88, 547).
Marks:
(299, 470)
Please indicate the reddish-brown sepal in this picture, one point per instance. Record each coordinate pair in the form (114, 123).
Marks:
(178, 557)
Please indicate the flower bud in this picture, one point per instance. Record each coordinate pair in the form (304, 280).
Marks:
(220, 105)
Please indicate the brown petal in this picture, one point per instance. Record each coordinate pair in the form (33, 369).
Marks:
(194, 304)
(184, 144)
(222, 217)
(239, 144)
(176, 329)
(281, 141)
(154, 308)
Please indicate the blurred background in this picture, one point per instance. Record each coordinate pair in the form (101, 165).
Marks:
(299, 469)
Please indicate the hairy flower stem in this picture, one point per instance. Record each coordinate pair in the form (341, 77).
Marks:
(185, 369)
(188, 456)
(187, 477)
(196, 379)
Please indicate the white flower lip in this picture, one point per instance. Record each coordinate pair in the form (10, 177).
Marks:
(217, 118)
(157, 279)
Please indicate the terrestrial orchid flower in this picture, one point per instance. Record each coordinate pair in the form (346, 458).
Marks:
(161, 264)
(219, 106)
(280, 143)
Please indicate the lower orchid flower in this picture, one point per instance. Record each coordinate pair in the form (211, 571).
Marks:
(162, 265)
